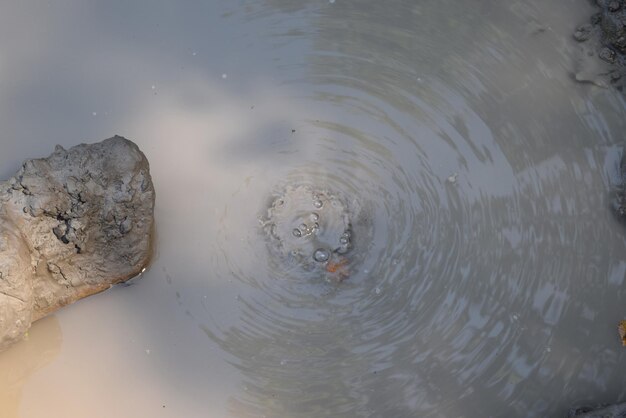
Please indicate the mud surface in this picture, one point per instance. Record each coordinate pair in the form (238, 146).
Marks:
(493, 275)
(602, 55)
(604, 411)
(309, 228)
(71, 225)
(618, 200)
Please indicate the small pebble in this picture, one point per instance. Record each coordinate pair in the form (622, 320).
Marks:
(318, 204)
(314, 217)
(297, 233)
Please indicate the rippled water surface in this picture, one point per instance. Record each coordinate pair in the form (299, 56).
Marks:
(486, 272)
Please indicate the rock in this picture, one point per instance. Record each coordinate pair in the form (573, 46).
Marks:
(72, 225)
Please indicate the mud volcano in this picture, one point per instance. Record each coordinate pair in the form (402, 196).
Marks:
(310, 228)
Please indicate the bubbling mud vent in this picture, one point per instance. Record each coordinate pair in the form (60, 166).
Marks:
(311, 229)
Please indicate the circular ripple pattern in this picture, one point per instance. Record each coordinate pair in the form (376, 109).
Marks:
(472, 285)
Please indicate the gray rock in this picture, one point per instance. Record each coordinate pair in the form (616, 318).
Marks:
(72, 225)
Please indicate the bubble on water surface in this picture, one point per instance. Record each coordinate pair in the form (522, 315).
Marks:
(342, 249)
(290, 219)
(321, 255)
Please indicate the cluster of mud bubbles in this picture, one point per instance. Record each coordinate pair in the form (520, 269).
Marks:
(312, 230)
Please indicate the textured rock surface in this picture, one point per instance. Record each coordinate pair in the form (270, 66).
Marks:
(71, 225)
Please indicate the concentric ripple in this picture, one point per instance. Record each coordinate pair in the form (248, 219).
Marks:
(473, 288)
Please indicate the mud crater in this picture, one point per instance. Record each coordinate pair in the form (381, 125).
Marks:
(311, 228)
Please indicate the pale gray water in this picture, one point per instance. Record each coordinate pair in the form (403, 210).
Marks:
(490, 283)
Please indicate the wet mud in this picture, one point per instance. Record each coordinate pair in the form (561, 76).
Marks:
(311, 229)
(601, 58)
(618, 198)
(603, 411)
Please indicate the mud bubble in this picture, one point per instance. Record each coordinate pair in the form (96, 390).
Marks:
(309, 227)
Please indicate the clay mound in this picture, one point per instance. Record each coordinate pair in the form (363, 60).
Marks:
(72, 225)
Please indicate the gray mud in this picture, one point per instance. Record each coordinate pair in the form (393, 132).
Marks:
(71, 225)
(610, 411)
(310, 228)
(601, 58)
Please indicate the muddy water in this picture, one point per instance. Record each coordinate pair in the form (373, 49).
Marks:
(487, 278)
